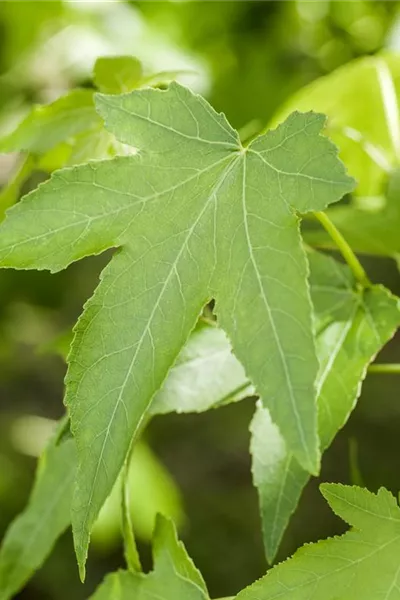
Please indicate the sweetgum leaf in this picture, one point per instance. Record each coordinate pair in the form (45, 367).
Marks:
(31, 536)
(362, 563)
(174, 577)
(194, 215)
(351, 327)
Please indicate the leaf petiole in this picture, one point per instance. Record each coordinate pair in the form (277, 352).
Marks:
(393, 368)
(130, 549)
(347, 253)
(131, 553)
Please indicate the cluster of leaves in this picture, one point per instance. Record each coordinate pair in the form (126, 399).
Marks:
(196, 215)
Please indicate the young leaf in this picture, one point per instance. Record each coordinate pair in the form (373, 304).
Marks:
(46, 126)
(225, 229)
(369, 143)
(362, 563)
(174, 577)
(117, 74)
(32, 535)
(351, 328)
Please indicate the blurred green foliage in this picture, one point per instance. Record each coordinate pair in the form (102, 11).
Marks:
(249, 57)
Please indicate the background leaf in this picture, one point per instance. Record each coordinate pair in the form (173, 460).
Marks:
(117, 74)
(48, 125)
(206, 375)
(351, 326)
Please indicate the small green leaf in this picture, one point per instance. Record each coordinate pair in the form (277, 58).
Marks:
(351, 327)
(32, 535)
(46, 126)
(363, 563)
(174, 577)
(117, 74)
(227, 230)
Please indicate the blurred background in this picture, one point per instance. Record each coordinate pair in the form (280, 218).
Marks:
(247, 58)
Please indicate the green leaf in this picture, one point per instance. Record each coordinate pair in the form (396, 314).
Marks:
(174, 577)
(46, 126)
(206, 375)
(117, 74)
(32, 535)
(362, 563)
(368, 136)
(215, 203)
(351, 326)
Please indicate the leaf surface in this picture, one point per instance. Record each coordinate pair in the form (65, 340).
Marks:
(351, 328)
(363, 563)
(174, 577)
(225, 229)
(33, 533)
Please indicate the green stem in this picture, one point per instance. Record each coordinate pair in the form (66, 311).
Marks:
(343, 246)
(131, 553)
(130, 549)
(385, 368)
(10, 193)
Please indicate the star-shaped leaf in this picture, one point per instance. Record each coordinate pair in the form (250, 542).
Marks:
(195, 216)
(363, 563)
